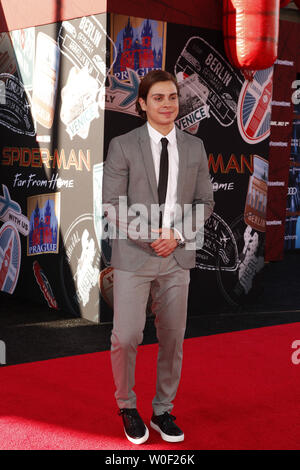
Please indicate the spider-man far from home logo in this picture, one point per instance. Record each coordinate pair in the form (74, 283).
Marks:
(44, 215)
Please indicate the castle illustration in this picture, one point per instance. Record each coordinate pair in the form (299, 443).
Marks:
(137, 52)
(41, 230)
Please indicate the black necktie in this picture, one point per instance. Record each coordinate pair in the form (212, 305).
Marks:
(163, 175)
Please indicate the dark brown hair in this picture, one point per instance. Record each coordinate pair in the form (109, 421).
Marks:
(147, 81)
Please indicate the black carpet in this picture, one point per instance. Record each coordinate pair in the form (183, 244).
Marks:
(33, 332)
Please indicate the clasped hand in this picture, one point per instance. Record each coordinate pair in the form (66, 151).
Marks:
(166, 243)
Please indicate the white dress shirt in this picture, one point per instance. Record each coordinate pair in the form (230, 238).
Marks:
(171, 196)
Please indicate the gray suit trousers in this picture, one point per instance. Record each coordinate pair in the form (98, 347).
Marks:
(168, 283)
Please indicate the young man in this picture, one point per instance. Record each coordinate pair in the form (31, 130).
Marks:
(153, 165)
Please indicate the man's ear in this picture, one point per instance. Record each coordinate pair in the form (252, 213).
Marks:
(143, 104)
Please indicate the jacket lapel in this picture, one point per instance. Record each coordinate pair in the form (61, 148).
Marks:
(183, 150)
(145, 147)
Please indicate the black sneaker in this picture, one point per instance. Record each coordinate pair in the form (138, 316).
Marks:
(135, 429)
(164, 424)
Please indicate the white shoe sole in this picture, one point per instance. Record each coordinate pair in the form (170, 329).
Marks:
(141, 440)
(164, 436)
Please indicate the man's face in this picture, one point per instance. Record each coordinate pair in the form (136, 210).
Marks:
(161, 105)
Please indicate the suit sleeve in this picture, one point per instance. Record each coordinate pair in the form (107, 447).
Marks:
(194, 215)
(115, 183)
(204, 189)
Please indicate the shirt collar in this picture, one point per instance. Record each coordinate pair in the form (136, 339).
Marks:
(157, 136)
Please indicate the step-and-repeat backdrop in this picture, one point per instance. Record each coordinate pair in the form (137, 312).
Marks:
(283, 221)
(66, 89)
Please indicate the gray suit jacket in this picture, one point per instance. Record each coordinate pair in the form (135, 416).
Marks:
(129, 172)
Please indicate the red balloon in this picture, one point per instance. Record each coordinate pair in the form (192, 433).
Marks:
(297, 2)
(284, 3)
(250, 31)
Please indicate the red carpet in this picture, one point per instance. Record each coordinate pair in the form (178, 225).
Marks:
(238, 391)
